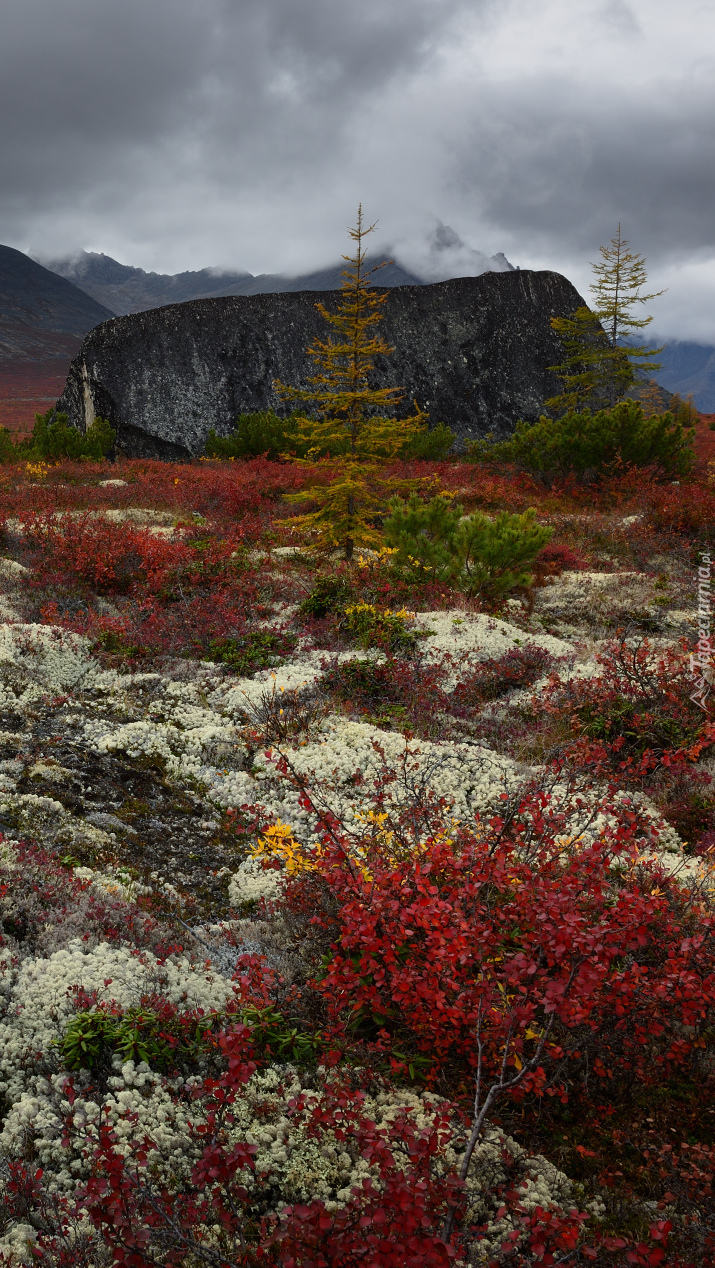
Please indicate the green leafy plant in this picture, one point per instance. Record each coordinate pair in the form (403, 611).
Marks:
(167, 1039)
(436, 541)
(257, 650)
(140, 1034)
(589, 446)
(272, 1032)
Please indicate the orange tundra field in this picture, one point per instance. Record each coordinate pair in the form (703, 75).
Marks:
(27, 389)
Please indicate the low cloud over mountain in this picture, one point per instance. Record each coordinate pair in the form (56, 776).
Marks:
(434, 257)
(245, 134)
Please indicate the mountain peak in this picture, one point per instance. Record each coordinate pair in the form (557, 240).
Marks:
(441, 255)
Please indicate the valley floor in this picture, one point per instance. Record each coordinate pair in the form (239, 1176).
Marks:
(29, 388)
(275, 892)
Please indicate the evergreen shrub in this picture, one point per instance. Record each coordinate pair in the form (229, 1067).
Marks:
(435, 540)
(328, 595)
(266, 433)
(589, 446)
(54, 437)
(256, 434)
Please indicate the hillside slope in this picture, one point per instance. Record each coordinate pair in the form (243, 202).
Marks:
(41, 315)
(125, 289)
(440, 256)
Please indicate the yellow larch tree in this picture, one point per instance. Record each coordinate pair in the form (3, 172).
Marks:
(352, 423)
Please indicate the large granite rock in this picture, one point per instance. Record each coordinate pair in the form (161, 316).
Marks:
(473, 352)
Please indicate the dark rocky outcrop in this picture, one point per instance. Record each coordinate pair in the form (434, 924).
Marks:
(474, 352)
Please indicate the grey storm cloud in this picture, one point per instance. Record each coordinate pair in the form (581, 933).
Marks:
(242, 133)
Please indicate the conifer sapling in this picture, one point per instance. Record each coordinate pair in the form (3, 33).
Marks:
(353, 424)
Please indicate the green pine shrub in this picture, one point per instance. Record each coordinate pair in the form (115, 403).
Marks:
(257, 434)
(53, 437)
(432, 444)
(436, 541)
(589, 446)
(7, 448)
(329, 595)
(265, 433)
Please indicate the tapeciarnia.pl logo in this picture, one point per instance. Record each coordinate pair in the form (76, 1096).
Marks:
(701, 658)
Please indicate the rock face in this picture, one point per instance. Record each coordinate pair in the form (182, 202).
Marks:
(473, 352)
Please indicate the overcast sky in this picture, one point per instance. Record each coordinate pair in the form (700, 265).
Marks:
(177, 134)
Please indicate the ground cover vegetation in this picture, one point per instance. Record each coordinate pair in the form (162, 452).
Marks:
(355, 911)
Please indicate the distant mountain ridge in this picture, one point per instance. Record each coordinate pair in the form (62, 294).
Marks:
(131, 290)
(47, 307)
(125, 289)
(689, 369)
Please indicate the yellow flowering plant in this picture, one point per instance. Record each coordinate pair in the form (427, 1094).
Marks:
(279, 843)
(374, 627)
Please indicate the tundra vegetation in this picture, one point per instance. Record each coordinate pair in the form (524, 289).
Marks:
(356, 911)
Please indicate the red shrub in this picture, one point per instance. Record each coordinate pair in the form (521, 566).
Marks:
(109, 557)
(672, 509)
(495, 677)
(391, 1224)
(553, 559)
(397, 693)
(39, 898)
(474, 950)
(181, 593)
(636, 716)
